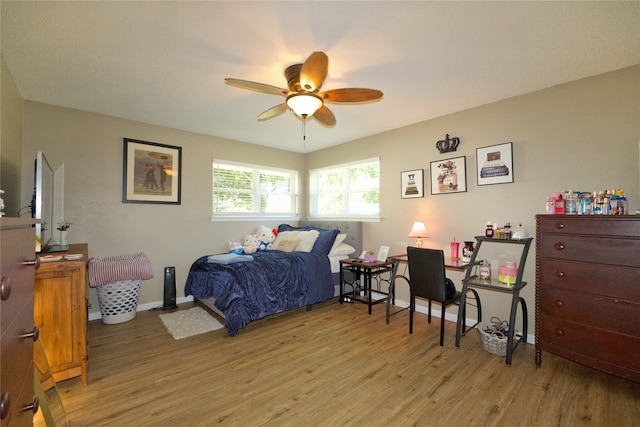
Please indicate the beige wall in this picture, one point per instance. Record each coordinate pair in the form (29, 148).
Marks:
(11, 114)
(91, 148)
(582, 135)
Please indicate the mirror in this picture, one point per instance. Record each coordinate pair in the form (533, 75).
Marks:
(51, 412)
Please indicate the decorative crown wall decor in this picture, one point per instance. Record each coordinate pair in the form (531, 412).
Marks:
(447, 144)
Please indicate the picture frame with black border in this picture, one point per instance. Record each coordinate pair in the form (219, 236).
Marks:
(152, 172)
(449, 175)
(495, 164)
(412, 184)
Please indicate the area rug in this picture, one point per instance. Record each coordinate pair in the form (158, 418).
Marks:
(187, 323)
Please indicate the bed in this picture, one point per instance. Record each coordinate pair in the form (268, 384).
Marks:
(249, 287)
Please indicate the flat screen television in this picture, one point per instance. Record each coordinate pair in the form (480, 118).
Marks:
(42, 202)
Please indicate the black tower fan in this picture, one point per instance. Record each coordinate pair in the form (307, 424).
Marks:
(169, 289)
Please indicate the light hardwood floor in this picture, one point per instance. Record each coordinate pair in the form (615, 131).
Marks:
(332, 366)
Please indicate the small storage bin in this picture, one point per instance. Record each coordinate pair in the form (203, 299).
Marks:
(118, 300)
(493, 336)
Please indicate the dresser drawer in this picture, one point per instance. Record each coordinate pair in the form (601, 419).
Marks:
(12, 269)
(625, 226)
(604, 250)
(598, 311)
(563, 337)
(611, 281)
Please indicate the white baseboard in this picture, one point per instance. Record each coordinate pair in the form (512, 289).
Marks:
(531, 339)
(96, 315)
(399, 303)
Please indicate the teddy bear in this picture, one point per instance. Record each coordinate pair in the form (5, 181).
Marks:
(249, 244)
(265, 237)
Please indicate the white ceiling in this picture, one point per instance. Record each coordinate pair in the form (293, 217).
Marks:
(165, 62)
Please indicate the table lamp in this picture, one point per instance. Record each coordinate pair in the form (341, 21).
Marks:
(418, 231)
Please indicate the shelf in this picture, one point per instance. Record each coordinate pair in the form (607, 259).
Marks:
(496, 240)
(493, 284)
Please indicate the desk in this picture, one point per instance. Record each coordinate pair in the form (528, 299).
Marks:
(366, 271)
(453, 264)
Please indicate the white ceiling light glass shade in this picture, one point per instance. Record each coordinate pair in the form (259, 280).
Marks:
(304, 104)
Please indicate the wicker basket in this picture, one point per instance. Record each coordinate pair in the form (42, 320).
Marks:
(496, 341)
(118, 301)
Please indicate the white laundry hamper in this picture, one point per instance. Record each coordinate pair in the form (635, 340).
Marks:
(118, 300)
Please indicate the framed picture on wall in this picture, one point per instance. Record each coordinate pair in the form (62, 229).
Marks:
(412, 184)
(449, 176)
(495, 164)
(152, 172)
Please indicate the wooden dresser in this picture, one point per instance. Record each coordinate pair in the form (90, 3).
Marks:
(60, 311)
(588, 291)
(17, 251)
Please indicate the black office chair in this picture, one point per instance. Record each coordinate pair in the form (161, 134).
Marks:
(427, 280)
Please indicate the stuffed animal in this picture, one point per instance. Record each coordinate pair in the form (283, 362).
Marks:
(235, 248)
(249, 244)
(265, 237)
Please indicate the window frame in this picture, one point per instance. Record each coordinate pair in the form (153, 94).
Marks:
(254, 214)
(313, 192)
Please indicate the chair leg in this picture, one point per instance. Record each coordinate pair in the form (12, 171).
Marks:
(412, 307)
(429, 312)
(442, 325)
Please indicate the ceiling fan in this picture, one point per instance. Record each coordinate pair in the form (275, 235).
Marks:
(303, 96)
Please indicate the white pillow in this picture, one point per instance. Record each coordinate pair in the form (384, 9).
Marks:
(307, 239)
(283, 235)
(342, 249)
(339, 239)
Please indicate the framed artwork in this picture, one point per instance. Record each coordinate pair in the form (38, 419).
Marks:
(449, 176)
(495, 164)
(383, 252)
(152, 172)
(412, 184)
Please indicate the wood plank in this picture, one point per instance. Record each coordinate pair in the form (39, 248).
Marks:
(334, 365)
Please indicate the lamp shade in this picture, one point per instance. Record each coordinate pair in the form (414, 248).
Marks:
(418, 231)
(304, 105)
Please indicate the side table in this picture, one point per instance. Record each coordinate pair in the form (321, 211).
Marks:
(365, 271)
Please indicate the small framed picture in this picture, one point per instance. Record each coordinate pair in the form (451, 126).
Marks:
(449, 176)
(412, 184)
(151, 172)
(495, 164)
(382, 253)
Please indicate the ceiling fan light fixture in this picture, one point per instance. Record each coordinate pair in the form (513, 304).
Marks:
(304, 104)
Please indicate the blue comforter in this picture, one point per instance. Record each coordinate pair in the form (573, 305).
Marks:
(274, 281)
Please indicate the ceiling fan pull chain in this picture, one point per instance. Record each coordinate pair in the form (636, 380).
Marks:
(304, 128)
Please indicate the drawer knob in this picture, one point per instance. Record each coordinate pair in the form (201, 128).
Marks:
(559, 225)
(559, 246)
(35, 334)
(5, 404)
(560, 303)
(32, 406)
(559, 332)
(35, 262)
(5, 288)
(560, 274)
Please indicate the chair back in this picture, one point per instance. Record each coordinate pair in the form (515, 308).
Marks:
(426, 273)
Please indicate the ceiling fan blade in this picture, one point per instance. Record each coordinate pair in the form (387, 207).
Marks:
(351, 95)
(314, 71)
(258, 87)
(325, 116)
(273, 112)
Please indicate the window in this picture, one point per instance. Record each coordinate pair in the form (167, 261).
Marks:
(350, 190)
(242, 190)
